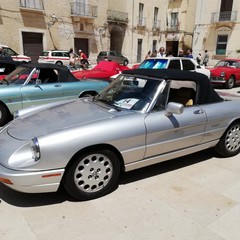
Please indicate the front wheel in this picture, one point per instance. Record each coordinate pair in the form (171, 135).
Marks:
(230, 83)
(125, 63)
(229, 144)
(92, 175)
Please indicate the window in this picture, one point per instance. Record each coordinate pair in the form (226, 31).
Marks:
(188, 65)
(174, 21)
(221, 44)
(35, 4)
(174, 64)
(155, 19)
(141, 19)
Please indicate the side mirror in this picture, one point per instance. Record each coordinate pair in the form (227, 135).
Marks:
(174, 108)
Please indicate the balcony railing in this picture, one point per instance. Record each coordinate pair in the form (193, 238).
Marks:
(142, 22)
(32, 4)
(85, 10)
(116, 16)
(173, 28)
(156, 24)
(226, 16)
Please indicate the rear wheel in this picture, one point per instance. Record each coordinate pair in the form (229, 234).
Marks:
(92, 175)
(230, 83)
(3, 115)
(229, 144)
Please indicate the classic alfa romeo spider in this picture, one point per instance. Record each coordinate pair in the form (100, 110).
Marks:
(144, 117)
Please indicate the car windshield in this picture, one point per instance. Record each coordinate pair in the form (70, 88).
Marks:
(18, 76)
(130, 92)
(154, 63)
(228, 63)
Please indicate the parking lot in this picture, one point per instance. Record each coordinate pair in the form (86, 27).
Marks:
(192, 197)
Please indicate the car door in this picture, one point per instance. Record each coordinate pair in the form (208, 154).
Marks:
(40, 90)
(169, 134)
(174, 133)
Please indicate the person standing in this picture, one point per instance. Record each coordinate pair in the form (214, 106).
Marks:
(199, 59)
(206, 58)
(189, 53)
(180, 53)
(148, 54)
(71, 58)
(161, 52)
(83, 59)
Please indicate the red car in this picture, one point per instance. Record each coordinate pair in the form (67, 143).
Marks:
(103, 70)
(226, 72)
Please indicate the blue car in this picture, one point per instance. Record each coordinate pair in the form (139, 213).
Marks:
(35, 84)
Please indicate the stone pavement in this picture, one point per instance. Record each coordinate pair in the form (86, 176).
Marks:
(190, 198)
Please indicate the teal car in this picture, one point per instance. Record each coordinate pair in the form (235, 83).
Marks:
(35, 84)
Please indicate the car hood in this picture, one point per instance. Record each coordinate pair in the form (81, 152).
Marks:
(60, 117)
(218, 70)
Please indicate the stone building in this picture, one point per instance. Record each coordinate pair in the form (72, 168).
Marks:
(216, 29)
(131, 27)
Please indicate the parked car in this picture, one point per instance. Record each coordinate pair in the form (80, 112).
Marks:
(15, 56)
(103, 70)
(34, 84)
(59, 57)
(7, 66)
(181, 63)
(112, 56)
(144, 117)
(226, 73)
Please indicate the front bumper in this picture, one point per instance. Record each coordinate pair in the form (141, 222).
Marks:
(31, 182)
(220, 80)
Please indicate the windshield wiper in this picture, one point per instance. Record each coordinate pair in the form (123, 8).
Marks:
(110, 104)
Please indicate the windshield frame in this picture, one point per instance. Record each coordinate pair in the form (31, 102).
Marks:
(117, 88)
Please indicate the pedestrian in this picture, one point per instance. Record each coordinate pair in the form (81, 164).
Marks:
(199, 59)
(161, 52)
(206, 58)
(170, 53)
(148, 54)
(154, 54)
(189, 53)
(180, 53)
(71, 58)
(83, 59)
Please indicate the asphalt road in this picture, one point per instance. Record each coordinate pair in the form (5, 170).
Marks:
(196, 197)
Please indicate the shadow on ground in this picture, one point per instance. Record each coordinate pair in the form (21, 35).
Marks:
(40, 199)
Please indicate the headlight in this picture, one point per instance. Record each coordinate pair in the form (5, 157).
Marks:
(35, 149)
(222, 74)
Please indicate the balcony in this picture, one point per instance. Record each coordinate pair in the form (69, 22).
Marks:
(32, 4)
(83, 10)
(173, 28)
(141, 22)
(118, 17)
(226, 17)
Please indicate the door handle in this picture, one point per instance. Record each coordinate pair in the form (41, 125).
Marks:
(199, 111)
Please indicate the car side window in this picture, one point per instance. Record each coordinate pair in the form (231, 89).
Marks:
(188, 65)
(174, 64)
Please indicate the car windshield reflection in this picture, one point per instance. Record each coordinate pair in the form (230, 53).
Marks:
(18, 76)
(128, 92)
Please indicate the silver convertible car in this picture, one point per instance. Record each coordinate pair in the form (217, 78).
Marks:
(144, 117)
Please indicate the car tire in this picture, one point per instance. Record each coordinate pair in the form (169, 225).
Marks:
(229, 144)
(125, 63)
(92, 175)
(230, 83)
(3, 115)
(59, 63)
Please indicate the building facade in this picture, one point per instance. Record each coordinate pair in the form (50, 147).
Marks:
(131, 27)
(216, 29)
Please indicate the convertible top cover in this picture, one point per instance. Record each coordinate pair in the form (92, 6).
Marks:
(205, 92)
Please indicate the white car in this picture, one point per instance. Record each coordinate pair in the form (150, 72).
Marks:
(59, 57)
(15, 56)
(181, 63)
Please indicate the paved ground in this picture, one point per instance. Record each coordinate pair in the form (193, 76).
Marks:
(190, 198)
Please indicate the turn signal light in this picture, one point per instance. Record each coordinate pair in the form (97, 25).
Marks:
(6, 181)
